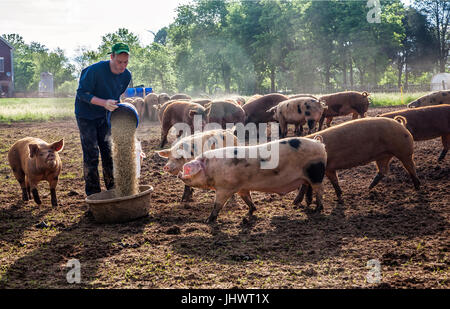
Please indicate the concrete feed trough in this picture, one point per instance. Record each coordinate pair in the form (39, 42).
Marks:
(108, 209)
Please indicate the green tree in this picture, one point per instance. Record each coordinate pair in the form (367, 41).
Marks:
(438, 13)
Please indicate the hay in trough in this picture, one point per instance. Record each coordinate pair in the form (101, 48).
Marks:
(123, 129)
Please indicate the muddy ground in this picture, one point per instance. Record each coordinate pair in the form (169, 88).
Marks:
(283, 246)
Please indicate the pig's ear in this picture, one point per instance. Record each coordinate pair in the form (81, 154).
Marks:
(34, 149)
(164, 153)
(192, 113)
(207, 110)
(191, 168)
(271, 110)
(365, 94)
(57, 146)
(323, 104)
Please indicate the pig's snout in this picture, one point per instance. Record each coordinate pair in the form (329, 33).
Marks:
(166, 168)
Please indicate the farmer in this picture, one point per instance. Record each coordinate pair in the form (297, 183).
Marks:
(99, 90)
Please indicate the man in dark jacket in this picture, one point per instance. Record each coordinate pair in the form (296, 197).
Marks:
(99, 90)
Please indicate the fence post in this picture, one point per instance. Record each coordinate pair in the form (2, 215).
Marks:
(443, 85)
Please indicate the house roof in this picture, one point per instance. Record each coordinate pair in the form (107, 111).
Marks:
(6, 42)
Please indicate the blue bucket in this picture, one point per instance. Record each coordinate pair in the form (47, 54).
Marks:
(131, 92)
(127, 107)
(148, 90)
(140, 92)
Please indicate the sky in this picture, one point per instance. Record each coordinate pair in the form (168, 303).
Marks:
(70, 24)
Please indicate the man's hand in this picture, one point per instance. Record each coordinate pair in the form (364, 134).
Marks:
(111, 105)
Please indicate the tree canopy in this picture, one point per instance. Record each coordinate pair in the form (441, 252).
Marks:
(269, 45)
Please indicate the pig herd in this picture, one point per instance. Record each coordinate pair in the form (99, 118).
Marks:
(218, 160)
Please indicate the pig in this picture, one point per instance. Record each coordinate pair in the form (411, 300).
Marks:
(300, 95)
(434, 98)
(163, 98)
(140, 106)
(358, 142)
(33, 160)
(127, 100)
(180, 112)
(239, 100)
(426, 123)
(223, 112)
(232, 170)
(179, 96)
(150, 100)
(298, 111)
(192, 146)
(256, 111)
(253, 98)
(202, 102)
(160, 108)
(344, 103)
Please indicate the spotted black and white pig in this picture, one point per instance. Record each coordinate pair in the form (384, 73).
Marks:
(192, 146)
(277, 167)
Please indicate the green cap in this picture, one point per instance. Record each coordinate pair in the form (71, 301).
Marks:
(119, 48)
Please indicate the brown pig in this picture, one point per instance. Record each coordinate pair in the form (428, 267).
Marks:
(298, 111)
(139, 103)
(253, 98)
(358, 142)
(180, 112)
(150, 100)
(280, 166)
(160, 108)
(426, 123)
(256, 111)
(223, 112)
(192, 146)
(33, 160)
(202, 102)
(344, 103)
(163, 98)
(180, 96)
(434, 98)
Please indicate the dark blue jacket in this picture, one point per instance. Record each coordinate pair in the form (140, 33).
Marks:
(98, 80)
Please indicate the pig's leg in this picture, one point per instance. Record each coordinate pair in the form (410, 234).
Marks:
(321, 122)
(300, 194)
(283, 128)
(187, 194)
(355, 116)
(245, 195)
(35, 192)
(409, 165)
(383, 165)
(446, 143)
(20, 176)
(53, 182)
(309, 196)
(221, 199)
(164, 133)
(318, 191)
(332, 176)
(28, 189)
(329, 120)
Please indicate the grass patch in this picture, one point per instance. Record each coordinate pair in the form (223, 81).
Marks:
(35, 109)
(394, 99)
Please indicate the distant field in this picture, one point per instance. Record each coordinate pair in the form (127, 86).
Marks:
(45, 109)
(35, 109)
